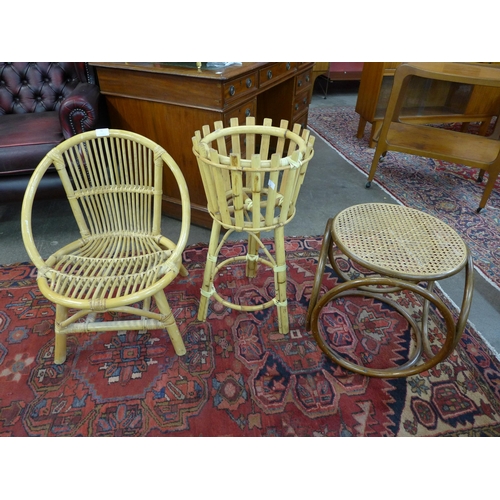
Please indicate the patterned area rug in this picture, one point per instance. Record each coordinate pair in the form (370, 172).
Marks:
(240, 377)
(446, 190)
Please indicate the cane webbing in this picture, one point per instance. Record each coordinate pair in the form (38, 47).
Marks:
(399, 241)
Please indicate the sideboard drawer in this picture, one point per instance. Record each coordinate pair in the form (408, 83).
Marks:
(269, 75)
(248, 108)
(303, 81)
(238, 88)
(300, 103)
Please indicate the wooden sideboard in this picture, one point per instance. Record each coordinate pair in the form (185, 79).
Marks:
(426, 102)
(168, 102)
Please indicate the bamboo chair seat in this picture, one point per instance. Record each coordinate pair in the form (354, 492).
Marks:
(106, 267)
(113, 181)
(404, 248)
(252, 175)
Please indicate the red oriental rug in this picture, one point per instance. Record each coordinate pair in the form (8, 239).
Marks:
(446, 190)
(240, 377)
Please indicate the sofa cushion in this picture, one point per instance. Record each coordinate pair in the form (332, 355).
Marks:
(26, 138)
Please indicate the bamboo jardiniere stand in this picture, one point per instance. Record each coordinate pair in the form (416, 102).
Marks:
(252, 175)
(113, 181)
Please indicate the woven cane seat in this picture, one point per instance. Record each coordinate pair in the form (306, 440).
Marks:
(399, 241)
(408, 250)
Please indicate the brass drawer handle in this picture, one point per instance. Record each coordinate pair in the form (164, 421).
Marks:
(249, 83)
(299, 83)
(232, 90)
(269, 74)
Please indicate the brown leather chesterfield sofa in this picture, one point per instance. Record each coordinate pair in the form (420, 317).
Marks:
(41, 104)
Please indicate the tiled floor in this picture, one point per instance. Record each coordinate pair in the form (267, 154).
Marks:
(331, 184)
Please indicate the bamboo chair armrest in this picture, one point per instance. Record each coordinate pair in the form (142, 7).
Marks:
(185, 206)
(27, 208)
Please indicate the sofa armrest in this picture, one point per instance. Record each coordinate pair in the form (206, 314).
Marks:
(79, 112)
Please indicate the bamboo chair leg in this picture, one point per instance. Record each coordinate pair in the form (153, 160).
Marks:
(170, 324)
(280, 280)
(60, 341)
(253, 250)
(208, 275)
(146, 306)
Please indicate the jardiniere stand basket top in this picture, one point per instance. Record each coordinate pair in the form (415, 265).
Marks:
(252, 175)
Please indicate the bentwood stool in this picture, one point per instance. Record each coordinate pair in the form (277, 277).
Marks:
(404, 248)
(252, 176)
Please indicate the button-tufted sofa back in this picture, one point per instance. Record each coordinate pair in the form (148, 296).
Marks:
(34, 87)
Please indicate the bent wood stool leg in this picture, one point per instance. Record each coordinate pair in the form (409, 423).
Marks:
(325, 247)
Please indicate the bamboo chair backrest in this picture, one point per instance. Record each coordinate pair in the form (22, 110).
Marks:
(252, 174)
(113, 182)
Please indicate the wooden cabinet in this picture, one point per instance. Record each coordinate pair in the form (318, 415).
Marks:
(168, 102)
(426, 101)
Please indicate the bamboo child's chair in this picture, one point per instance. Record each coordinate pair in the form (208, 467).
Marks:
(252, 188)
(113, 181)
